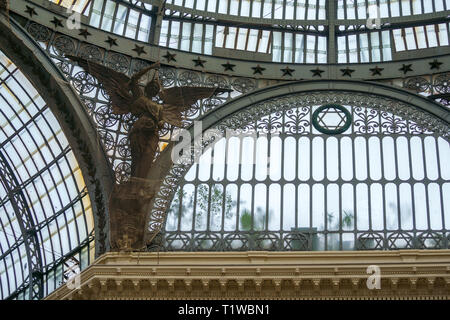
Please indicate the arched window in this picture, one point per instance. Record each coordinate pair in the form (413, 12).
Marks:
(46, 221)
(318, 171)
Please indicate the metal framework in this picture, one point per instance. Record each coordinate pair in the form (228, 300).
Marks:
(295, 33)
(382, 184)
(46, 215)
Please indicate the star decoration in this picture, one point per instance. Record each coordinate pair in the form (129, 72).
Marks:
(111, 41)
(347, 72)
(228, 66)
(435, 64)
(331, 119)
(57, 22)
(30, 11)
(258, 69)
(406, 68)
(317, 72)
(287, 71)
(170, 56)
(199, 62)
(376, 71)
(85, 33)
(139, 50)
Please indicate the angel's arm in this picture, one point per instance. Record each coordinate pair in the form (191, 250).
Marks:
(140, 74)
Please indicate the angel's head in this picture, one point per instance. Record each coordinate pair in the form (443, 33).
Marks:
(152, 88)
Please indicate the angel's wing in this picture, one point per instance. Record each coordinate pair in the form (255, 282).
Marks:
(116, 84)
(185, 97)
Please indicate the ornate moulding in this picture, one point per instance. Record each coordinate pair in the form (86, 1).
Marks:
(417, 274)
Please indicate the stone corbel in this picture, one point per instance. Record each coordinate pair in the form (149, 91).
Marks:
(205, 285)
(119, 285)
(316, 284)
(103, 285)
(297, 284)
(336, 282)
(394, 284)
(277, 284)
(413, 283)
(223, 284)
(240, 284)
(171, 284)
(355, 284)
(93, 288)
(430, 283)
(153, 285)
(258, 285)
(188, 285)
(136, 285)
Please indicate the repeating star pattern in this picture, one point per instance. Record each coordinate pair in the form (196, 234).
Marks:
(376, 71)
(199, 62)
(169, 56)
(347, 72)
(228, 66)
(85, 33)
(111, 41)
(30, 11)
(435, 64)
(317, 72)
(57, 22)
(139, 50)
(406, 68)
(287, 71)
(258, 69)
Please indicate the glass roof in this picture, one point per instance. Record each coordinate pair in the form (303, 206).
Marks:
(297, 42)
(42, 192)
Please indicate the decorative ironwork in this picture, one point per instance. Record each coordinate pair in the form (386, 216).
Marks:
(374, 118)
(331, 119)
(39, 32)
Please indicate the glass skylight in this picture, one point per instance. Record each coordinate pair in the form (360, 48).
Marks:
(40, 167)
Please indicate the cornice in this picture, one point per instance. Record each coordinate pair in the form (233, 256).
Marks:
(405, 274)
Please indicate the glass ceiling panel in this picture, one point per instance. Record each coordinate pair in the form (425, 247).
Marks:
(266, 9)
(362, 9)
(39, 166)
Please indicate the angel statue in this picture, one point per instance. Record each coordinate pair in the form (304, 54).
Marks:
(130, 201)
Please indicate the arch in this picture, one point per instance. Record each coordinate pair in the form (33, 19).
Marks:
(81, 135)
(68, 109)
(425, 113)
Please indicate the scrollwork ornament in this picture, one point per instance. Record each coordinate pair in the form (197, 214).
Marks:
(83, 82)
(123, 172)
(189, 78)
(63, 45)
(442, 83)
(418, 84)
(296, 120)
(39, 32)
(396, 117)
(243, 85)
(104, 116)
(123, 147)
(365, 120)
(91, 52)
(118, 62)
(167, 77)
